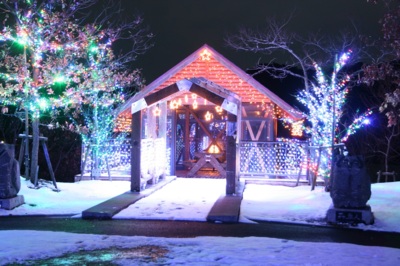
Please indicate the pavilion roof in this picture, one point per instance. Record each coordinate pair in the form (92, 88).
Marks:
(208, 64)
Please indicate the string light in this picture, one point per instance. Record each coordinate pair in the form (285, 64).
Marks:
(220, 74)
(205, 55)
(208, 116)
(325, 101)
(75, 70)
(157, 111)
(297, 128)
(195, 104)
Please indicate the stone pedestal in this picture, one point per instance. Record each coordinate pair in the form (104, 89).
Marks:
(11, 203)
(350, 215)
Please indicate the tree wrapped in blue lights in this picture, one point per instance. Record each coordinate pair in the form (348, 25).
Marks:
(325, 101)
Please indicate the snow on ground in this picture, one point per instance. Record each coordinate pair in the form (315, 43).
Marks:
(191, 199)
(192, 251)
(183, 199)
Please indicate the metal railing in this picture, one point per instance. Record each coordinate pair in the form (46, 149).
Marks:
(115, 153)
(258, 159)
(273, 159)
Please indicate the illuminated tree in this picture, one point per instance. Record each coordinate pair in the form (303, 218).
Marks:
(325, 101)
(30, 38)
(50, 60)
(95, 90)
(324, 98)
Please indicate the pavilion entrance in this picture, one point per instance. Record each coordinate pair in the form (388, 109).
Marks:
(200, 146)
(185, 129)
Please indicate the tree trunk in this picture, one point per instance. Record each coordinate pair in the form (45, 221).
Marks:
(96, 146)
(35, 148)
(35, 133)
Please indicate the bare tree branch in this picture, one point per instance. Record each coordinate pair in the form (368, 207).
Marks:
(275, 41)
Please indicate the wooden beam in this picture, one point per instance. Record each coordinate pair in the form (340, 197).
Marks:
(198, 121)
(161, 94)
(206, 94)
(213, 141)
(260, 129)
(248, 124)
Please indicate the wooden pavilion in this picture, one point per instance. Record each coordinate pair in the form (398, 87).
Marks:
(195, 115)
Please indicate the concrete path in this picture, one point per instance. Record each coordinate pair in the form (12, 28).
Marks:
(225, 210)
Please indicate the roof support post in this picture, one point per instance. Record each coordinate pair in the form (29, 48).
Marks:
(231, 180)
(186, 156)
(136, 140)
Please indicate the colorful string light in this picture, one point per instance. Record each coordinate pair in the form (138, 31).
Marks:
(325, 101)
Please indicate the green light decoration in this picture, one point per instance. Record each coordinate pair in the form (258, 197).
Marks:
(56, 52)
(59, 79)
(43, 104)
(93, 48)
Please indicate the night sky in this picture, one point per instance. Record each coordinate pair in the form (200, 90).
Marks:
(182, 26)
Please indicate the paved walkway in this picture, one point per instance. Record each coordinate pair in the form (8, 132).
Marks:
(226, 209)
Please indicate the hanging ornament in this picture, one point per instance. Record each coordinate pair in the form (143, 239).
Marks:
(157, 111)
(195, 104)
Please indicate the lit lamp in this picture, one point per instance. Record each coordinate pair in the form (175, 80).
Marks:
(213, 149)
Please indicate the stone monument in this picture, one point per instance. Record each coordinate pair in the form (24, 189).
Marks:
(10, 180)
(350, 191)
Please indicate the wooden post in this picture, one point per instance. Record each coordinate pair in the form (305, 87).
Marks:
(186, 156)
(136, 138)
(172, 143)
(231, 155)
(162, 130)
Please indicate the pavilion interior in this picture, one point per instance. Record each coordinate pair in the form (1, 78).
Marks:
(195, 125)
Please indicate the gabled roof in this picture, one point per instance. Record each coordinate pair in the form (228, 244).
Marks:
(211, 92)
(211, 65)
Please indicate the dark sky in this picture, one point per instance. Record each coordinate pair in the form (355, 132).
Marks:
(183, 26)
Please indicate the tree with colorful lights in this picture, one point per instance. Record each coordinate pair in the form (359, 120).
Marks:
(325, 103)
(30, 37)
(95, 91)
(50, 60)
(324, 98)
